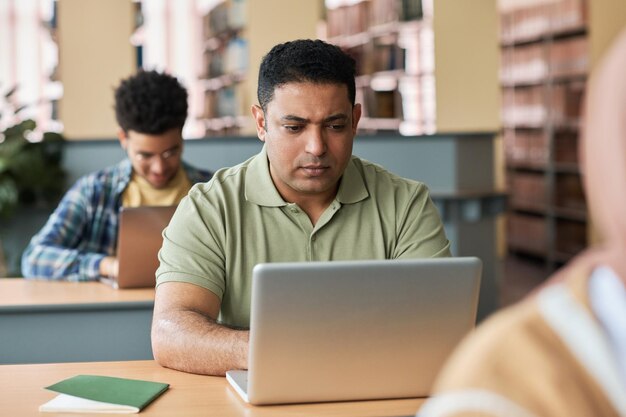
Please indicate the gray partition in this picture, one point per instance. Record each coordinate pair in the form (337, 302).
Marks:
(76, 332)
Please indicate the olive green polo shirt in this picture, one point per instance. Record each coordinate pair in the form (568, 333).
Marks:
(224, 227)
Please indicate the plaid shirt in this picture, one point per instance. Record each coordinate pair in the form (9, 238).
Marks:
(83, 228)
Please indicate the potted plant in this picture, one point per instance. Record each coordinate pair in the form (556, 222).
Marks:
(31, 173)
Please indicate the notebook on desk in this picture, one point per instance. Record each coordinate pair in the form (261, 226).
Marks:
(138, 242)
(354, 330)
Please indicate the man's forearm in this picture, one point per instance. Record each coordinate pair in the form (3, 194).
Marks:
(59, 263)
(190, 342)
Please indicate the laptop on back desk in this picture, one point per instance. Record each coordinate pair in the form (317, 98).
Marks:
(138, 243)
(354, 330)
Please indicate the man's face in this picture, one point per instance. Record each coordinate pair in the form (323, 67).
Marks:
(156, 158)
(308, 130)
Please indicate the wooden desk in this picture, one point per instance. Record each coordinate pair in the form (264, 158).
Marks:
(189, 395)
(44, 322)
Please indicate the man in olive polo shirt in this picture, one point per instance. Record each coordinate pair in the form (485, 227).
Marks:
(304, 197)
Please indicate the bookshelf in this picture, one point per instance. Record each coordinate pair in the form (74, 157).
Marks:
(392, 42)
(408, 54)
(235, 36)
(544, 65)
(224, 62)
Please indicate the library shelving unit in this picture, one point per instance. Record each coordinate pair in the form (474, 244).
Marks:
(544, 64)
(423, 67)
(235, 36)
(225, 60)
(392, 42)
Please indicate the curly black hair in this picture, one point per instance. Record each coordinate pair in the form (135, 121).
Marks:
(304, 60)
(150, 102)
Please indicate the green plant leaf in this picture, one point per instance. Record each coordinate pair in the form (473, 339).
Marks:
(30, 172)
(8, 196)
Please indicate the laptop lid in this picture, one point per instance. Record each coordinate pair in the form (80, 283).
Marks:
(139, 240)
(355, 330)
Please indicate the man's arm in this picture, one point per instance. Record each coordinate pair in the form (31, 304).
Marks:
(186, 336)
(421, 233)
(53, 253)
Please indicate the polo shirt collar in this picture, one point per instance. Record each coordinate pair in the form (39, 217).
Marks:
(352, 188)
(260, 188)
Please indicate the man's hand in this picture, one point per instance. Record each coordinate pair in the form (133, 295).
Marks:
(109, 267)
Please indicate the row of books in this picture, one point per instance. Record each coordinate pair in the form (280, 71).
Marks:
(348, 19)
(530, 234)
(536, 62)
(528, 190)
(569, 192)
(225, 102)
(527, 147)
(344, 18)
(531, 194)
(533, 106)
(550, 17)
(409, 48)
(229, 58)
(378, 57)
(410, 99)
(530, 148)
(223, 18)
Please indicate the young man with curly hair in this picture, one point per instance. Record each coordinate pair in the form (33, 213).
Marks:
(78, 242)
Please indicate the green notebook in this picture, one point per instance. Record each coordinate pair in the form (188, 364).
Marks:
(91, 393)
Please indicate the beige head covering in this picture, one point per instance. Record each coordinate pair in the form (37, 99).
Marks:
(603, 155)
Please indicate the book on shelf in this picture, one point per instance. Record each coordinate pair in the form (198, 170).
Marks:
(102, 394)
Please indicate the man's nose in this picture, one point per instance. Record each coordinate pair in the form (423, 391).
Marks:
(316, 141)
(158, 164)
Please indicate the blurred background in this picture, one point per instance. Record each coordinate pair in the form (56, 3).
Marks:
(480, 99)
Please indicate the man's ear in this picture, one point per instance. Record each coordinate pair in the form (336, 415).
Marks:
(259, 121)
(356, 116)
(121, 135)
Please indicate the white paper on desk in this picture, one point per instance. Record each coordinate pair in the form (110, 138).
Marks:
(69, 404)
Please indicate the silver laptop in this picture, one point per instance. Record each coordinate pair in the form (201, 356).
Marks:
(138, 242)
(354, 330)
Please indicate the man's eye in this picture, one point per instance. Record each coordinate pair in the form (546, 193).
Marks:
(293, 128)
(337, 127)
(169, 154)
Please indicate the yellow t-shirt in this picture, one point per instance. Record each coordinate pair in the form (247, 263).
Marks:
(140, 192)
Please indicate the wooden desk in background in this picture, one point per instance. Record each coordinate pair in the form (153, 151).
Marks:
(189, 395)
(46, 322)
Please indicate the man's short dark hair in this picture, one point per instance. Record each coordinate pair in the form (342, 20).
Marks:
(150, 102)
(304, 60)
